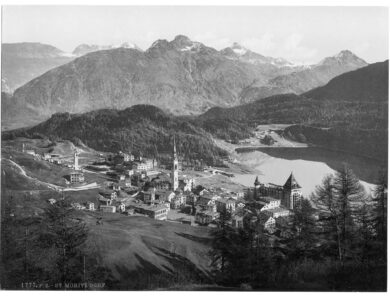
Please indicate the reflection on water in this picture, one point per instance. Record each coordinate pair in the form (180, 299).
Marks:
(309, 165)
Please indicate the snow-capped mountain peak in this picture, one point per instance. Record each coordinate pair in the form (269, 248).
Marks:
(86, 48)
(238, 49)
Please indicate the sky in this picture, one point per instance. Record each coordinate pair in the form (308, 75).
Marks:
(301, 35)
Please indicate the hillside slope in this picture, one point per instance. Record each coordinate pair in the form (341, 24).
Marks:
(137, 248)
(21, 62)
(142, 128)
(332, 116)
(180, 76)
(350, 113)
(364, 85)
(308, 77)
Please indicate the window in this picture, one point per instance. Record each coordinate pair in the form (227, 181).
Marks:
(296, 199)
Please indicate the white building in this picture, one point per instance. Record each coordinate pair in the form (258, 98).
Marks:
(108, 208)
(175, 168)
(90, 206)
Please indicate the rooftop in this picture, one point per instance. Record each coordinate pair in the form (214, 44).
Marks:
(263, 218)
(277, 186)
(144, 206)
(277, 209)
(226, 200)
(207, 213)
(291, 183)
(268, 199)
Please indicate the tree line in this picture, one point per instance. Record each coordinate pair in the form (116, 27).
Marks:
(335, 240)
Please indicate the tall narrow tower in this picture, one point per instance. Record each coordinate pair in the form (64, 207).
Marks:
(175, 168)
(257, 187)
(292, 193)
(76, 160)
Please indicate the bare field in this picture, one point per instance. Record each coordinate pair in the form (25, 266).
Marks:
(128, 244)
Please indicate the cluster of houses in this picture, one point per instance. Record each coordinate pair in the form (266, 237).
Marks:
(75, 176)
(272, 204)
(138, 188)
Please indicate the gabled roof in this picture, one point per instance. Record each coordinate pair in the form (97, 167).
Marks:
(291, 183)
(263, 218)
(226, 200)
(203, 201)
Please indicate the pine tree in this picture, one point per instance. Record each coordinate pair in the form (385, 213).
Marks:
(324, 197)
(380, 212)
(303, 228)
(351, 195)
(340, 198)
(221, 244)
(64, 233)
(364, 220)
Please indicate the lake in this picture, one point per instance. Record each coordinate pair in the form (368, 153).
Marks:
(309, 165)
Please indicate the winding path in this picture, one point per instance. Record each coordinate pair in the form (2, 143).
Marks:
(23, 172)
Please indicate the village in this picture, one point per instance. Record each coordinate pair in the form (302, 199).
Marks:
(135, 186)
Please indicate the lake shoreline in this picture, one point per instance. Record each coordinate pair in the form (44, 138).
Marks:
(310, 164)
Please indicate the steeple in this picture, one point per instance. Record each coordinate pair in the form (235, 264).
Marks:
(291, 183)
(257, 182)
(175, 167)
(174, 147)
(76, 160)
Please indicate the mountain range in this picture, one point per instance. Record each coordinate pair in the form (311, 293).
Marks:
(180, 76)
(349, 114)
(85, 48)
(23, 62)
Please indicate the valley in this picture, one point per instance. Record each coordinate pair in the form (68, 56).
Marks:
(310, 163)
(180, 76)
(163, 163)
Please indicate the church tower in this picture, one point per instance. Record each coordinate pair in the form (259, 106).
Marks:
(292, 193)
(256, 191)
(175, 168)
(76, 160)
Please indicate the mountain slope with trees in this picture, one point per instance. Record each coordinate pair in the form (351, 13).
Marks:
(350, 113)
(344, 119)
(180, 76)
(142, 128)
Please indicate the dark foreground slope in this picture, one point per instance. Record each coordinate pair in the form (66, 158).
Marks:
(125, 253)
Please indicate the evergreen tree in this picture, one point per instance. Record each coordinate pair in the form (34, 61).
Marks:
(261, 256)
(221, 244)
(340, 198)
(65, 234)
(380, 212)
(324, 197)
(364, 220)
(303, 229)
(350, 195)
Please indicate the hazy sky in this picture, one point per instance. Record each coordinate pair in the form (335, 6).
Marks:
(299, 34)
